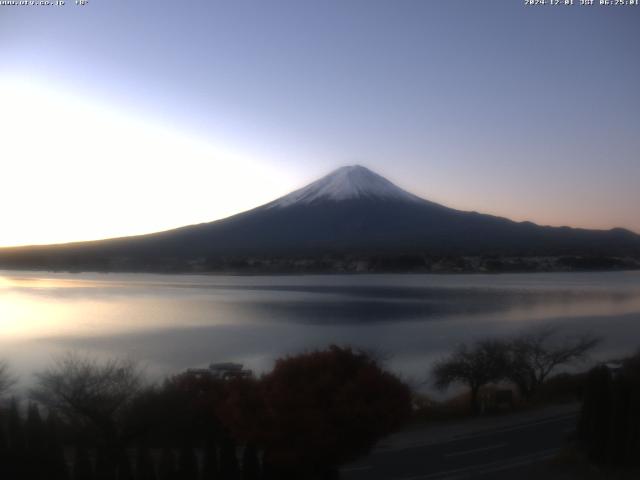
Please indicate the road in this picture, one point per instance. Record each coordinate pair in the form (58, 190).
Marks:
(504, 451)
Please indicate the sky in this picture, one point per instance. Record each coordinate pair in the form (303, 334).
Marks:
(120, 117)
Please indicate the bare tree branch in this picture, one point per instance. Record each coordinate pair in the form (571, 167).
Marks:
(484, 362)
(535, 355)
(85, 390)
(7, 381)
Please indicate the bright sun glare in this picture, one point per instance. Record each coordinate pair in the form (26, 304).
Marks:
(78, 170)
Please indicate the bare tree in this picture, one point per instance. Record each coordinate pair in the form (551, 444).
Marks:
(534, 356)
(90, 392)
(6, 379)
(482, 363)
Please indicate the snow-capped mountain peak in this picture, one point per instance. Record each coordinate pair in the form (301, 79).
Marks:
(346, 183)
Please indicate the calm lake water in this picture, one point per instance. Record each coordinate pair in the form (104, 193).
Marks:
(172, 322)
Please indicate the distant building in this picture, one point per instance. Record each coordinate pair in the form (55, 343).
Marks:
(223, 371)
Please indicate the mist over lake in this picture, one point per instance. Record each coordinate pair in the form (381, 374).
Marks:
(173, 322)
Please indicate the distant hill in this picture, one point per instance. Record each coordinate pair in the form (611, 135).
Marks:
(351, 215)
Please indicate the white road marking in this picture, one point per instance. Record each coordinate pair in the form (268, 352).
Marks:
(475, 450)
(357, 469)
(469, 436)
(486, 467)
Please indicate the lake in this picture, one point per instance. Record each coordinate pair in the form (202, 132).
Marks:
(173, 322)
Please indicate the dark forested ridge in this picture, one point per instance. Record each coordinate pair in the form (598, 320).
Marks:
(362, 228)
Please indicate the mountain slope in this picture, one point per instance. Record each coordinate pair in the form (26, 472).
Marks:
(350, 211)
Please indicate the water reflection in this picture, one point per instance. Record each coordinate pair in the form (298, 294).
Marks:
(173, 322)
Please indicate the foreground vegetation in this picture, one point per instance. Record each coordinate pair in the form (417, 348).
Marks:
(609, 427)
(311, 414)
(524, 363)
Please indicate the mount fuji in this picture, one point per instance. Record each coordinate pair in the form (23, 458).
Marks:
(351, 213)
(346, 183)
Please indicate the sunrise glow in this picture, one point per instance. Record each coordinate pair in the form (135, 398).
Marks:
(75, 169)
